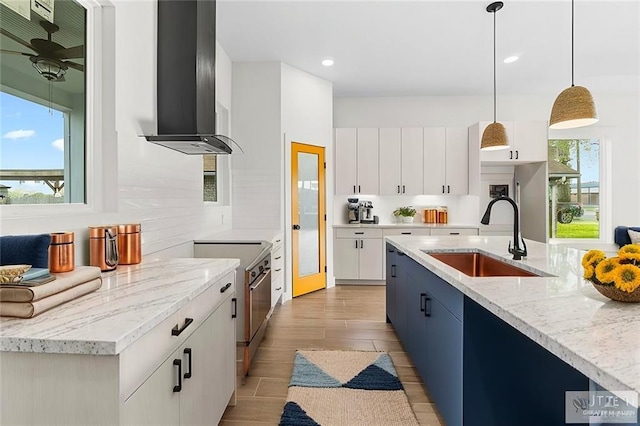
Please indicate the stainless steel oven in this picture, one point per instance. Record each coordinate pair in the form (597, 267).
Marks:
(257, 304)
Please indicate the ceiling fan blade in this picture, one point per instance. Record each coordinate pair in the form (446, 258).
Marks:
(75, 65)
(16, 39)
(13, 52)
(70, 53)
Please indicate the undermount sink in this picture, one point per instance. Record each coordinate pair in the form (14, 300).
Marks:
(476, 264)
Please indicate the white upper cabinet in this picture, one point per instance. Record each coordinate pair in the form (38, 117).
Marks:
(401, 161)
(412, 167)
(527, 142)
(356, 161)
(446, 161)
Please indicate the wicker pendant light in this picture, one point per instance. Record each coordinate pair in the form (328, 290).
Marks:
(574, 106)
(494, 136)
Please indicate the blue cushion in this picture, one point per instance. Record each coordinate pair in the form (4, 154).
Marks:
(25, 249)
(621, 236)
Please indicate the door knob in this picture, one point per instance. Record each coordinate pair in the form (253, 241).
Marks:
(296, 227)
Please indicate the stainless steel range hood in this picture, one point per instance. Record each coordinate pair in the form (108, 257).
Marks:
(186, 96)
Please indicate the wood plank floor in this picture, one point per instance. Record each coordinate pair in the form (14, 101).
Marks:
(343, 317)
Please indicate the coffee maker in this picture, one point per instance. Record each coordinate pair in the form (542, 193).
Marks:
(353, 210)
(366, 212)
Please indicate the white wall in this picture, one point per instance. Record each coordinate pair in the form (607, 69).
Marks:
(307, 115)
(151, 185)
(619, 111)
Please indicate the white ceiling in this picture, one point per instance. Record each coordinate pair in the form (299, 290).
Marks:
(420, 48)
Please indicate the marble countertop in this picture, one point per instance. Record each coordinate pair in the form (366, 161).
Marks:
(132, 300)
(406, 225)
(562, 313)
(243, 235)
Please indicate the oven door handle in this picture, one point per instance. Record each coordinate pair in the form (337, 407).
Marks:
(263, 278)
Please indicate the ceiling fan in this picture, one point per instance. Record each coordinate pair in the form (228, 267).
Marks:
(50, 58)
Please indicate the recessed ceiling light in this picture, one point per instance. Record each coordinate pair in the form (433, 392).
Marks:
(327, 62)
(510, 59)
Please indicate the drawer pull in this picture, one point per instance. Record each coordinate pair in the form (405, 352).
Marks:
(178, 387)
(406, 233)
(359, 233)
(225, 288)
(279, 288)
(279, 257)
(279, 269)
(187, 351)
(235, 308)
(175, 331)
(454, 233)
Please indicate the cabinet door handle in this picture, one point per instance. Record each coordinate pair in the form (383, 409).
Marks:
(443, 189)
(358, 189)
(356, 243)
(398, 189)
(354, 189)
(406, 233)
(393, 271)
(178, 387)
(448, 189)
(361, 243)
(510, 155)
(422, 301)
(175, 331)
(403, 191)
(225, 288)
(400, 253)
(279, 288)
(427, 312)
(516, 155)
(235, 308)
(188, 352)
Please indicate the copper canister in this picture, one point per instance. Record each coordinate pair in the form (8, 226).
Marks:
(61, 252)
(103, 247)
(129, 247)
(430, 215)
(442, 215)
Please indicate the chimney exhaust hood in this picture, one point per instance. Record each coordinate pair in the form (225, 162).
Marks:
(186, 98)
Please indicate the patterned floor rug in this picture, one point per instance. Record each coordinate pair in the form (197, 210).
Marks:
(331, 388)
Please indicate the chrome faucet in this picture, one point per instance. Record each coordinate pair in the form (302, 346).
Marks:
(518, 253)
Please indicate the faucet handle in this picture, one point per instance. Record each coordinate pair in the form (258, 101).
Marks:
(524, 248)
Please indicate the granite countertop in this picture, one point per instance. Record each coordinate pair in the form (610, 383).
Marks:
(243, 235)
(562, 313)
(132, 300)
(406, 225)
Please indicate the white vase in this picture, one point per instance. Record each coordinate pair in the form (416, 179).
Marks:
(407, 219)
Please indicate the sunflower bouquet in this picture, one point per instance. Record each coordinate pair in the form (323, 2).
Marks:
(618, 278)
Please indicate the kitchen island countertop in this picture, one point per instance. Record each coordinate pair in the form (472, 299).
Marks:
(562, 313)
(131, 301)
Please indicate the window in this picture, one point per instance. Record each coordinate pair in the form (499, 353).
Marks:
(574, 188)
(210, 179)
(42, 106)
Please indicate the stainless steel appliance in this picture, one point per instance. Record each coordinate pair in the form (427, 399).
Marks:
(366, 212)
(353, 210)
(254, 299)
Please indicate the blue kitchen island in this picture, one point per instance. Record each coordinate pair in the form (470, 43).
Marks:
(504, 350)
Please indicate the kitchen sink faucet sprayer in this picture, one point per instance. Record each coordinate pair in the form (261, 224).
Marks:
(518, 253)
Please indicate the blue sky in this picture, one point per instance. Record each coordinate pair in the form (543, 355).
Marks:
(31, 138)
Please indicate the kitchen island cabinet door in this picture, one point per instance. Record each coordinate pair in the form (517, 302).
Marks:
(416, 336)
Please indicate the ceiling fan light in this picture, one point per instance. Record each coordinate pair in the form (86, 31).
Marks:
(574, 107)
(494, 137)
(50, 69)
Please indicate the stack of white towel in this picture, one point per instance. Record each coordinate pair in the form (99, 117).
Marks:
(26, 302)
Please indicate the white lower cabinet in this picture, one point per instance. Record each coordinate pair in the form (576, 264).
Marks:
(277, 271)
(358, 254)
(454, 231)
(194, 384)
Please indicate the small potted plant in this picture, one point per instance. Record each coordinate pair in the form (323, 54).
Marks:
(405, 214)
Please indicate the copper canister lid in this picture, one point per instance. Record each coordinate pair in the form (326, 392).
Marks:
(61, 237)
(129, 228)
(99, 231)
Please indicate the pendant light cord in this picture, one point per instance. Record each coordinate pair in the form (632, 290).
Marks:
(494, 66)
(572, 44)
